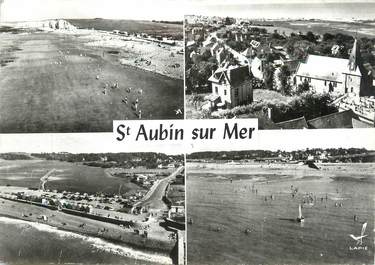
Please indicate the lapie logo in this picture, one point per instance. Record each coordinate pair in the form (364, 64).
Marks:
(359, 239)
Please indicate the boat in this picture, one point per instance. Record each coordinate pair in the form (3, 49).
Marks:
(300, 218)
(247, 231)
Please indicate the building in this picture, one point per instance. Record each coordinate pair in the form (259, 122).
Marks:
(232, 84)
(299, 123)
(335, 75)
(337, 120)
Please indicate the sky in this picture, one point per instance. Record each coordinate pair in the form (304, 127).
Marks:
(346, 10)
(26, 10)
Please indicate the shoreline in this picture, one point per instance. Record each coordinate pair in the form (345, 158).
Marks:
(102, 244)
(112, 234)
(101, 39)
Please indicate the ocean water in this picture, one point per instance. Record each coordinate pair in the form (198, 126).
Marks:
(23, 242)
(328, 11)
(222, 210)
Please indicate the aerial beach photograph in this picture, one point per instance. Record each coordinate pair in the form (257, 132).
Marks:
(291, 64)
(77, 66)
(303, 206)
(92, 208)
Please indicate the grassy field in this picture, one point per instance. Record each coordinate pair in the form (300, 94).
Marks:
(270, 95)
(131, 26)
(48, 83)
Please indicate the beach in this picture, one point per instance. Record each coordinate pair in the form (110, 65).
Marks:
(82, 80)
(231, 202)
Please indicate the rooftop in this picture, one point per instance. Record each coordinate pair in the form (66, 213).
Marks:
(298, 123)
(327, 68)
(335, 120)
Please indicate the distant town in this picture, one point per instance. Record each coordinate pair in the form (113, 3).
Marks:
(243, 68)
(331, 155)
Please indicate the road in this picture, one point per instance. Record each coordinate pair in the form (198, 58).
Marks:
(44, 179)
(154, 198)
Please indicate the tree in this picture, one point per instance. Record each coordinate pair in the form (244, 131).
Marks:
(269, 76)
(284, 76)
(311, 37)
(304, 87)
(228, 21)
(328, 36)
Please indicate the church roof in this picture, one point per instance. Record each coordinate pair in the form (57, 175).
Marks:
(326, 68)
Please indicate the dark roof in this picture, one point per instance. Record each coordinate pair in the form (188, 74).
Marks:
(335, 120)
(370, 70)
(292, 64)
(299, 123)
(361, 124)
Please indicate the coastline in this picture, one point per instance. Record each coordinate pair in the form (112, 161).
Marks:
(133, 245)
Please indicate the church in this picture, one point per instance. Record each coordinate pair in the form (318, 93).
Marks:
(335, 75)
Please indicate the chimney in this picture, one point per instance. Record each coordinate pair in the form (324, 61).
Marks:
(269, 113)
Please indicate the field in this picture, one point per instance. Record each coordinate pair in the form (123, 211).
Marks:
(226, 200)
(67, 176)
(52, 82)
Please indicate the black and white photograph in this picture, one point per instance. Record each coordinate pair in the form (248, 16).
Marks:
(290, 64)
(289, 206)
(92, 208)
(75, 66)
(181, 132)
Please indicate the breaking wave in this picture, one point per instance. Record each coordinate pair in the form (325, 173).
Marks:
(95, 242)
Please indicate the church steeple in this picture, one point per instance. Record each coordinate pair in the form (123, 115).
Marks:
(355, 56)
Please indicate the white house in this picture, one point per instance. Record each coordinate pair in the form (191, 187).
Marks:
(232, 84)
(333, 75)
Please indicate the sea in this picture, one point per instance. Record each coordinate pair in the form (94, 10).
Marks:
(340, 11)
(23, 242)
(234, 222)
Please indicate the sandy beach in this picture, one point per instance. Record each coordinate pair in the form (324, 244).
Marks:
(226, 199)
(77, 81)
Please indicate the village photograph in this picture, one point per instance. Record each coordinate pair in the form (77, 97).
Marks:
(90, 208)
(76, 66)
(302, 206)
(309, 64)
